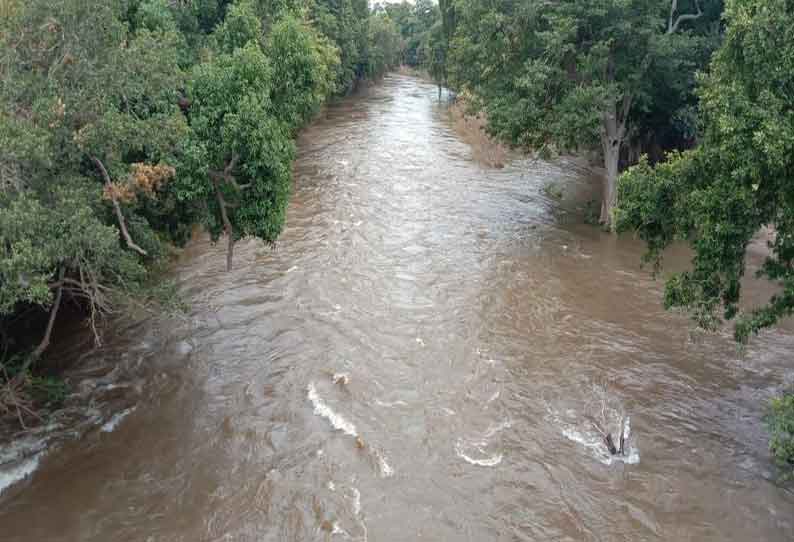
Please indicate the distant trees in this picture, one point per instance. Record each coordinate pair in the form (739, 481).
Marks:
(415, 22)
(123, 124)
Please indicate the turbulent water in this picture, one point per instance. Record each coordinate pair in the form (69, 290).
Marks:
(431, 353)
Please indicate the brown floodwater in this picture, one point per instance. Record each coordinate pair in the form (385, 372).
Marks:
(426, 355)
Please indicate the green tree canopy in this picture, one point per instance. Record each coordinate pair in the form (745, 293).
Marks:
(569, 75)
(123, 124)
(739, 179)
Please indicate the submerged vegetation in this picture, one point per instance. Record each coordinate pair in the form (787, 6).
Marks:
(124, 124)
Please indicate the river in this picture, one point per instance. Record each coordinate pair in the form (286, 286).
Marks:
(425, 355)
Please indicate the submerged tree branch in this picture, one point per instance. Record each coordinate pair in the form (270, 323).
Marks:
(117, 208)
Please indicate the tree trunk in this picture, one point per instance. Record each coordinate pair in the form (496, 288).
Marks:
(611, 161)
(613, 133)
(227, 224)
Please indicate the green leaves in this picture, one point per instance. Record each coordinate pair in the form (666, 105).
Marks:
(738, 181)
(123, 124)
(780, 423)
(35, 240)
(240, 26)
(303, 77)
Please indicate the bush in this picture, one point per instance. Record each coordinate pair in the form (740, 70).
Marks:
(780, 423)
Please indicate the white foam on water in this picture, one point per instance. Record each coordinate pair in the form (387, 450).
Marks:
(485, 462)
(339, 530)
(593, 440)
(390, 404)
(385, 469)
(19, 472)
(114, 421)
(323, 410)
(356, 501)
(595, 443)
(492, 430)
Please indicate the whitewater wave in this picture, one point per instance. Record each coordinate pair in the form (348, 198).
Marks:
(585, 434)
(390, 404)
(593, 441)
(491, 461)
(468, 450)
(386, 471)
(324, 411)
(115, 420)
(20, 471)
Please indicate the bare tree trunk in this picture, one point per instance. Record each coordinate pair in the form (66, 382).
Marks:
(226, 176)
(227, 224)
(117, 208)
(613, 133)
(611, 160)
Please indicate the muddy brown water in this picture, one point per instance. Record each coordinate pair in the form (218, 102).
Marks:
(425, 356)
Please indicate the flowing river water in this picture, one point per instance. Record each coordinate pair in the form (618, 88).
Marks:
(426, 355)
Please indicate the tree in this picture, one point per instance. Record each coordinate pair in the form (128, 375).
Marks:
(236, 161)
(243, 113)
(86, 127)
(736, 182)
(124, 124)
(739, 180)
(568, 75)
(384, 48)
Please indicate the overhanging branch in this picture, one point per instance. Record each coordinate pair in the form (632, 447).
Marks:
(117, 208)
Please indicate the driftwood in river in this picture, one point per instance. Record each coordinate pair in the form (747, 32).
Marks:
(611, 443)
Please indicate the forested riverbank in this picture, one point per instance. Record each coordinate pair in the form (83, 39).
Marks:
(688, 105)
(124, 124)
(425, 317)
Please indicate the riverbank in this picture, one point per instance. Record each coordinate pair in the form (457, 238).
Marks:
(425, 317)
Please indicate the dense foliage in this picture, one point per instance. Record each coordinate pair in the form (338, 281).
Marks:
(780, 422)
(416, 22)
(125, 123)
(575, 76)
(737, 182)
